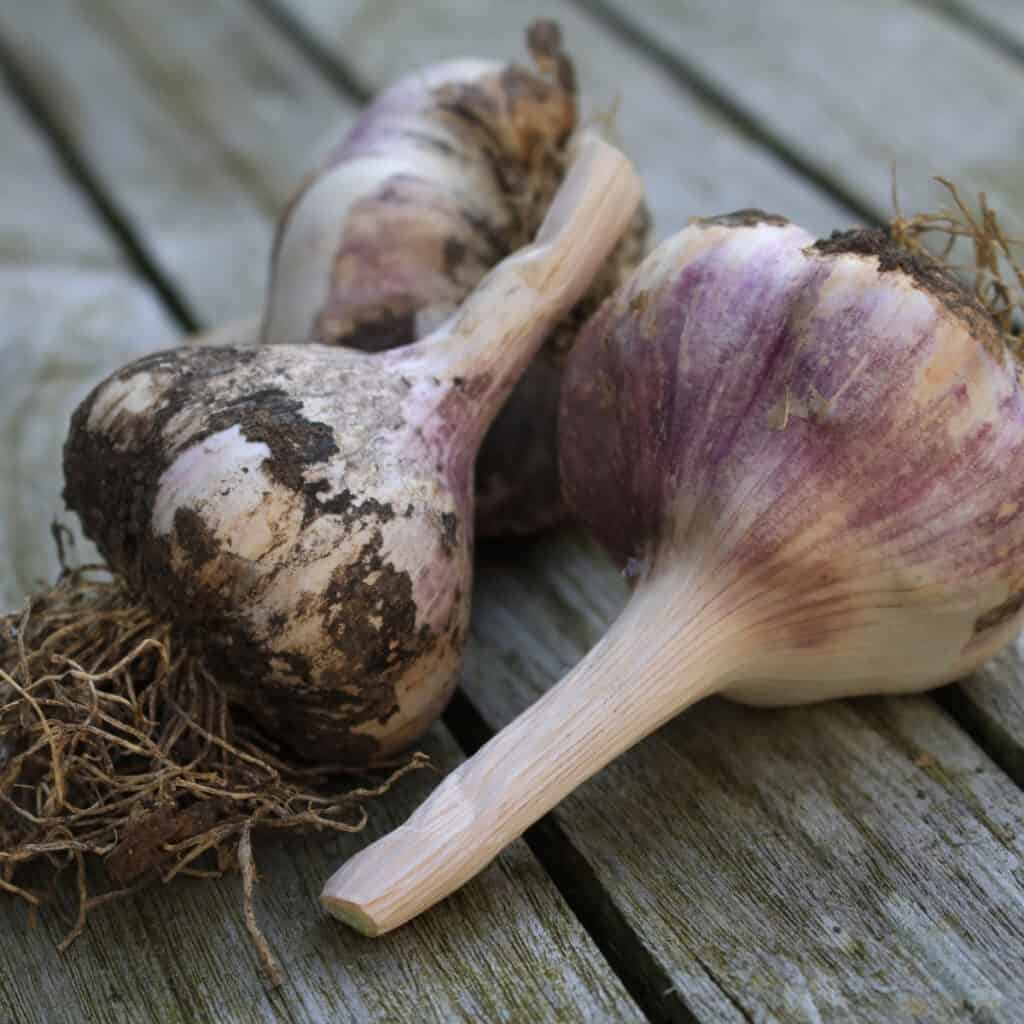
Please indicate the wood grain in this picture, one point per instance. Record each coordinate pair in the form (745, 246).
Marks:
(199, 118)
(841, 863)
(998, 22)
(691, 160)
(72, 312)
(858, 88)
(505, 949)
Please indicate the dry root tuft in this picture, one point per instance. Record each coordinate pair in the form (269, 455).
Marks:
(995, 275)
(117, 745)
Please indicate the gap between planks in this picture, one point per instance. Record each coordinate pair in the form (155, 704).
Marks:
(746, 123)
(968, 18)
(570, 872)
(83, 179)
(333, 69)
(258, 3)
(88, 183)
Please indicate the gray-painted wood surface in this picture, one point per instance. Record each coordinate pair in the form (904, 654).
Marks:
(857, 861)
(858, 88)
(992, 703)
(71, 311)
(198, 117)
(1000, 22)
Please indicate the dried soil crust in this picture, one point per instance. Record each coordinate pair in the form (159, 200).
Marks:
(320, 719)
(941, 284)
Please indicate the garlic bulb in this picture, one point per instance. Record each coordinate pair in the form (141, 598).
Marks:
(811, 457)
(303, 514)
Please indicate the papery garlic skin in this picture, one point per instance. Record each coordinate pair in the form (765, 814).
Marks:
(826, 440)
(383, 241)
(809, 457)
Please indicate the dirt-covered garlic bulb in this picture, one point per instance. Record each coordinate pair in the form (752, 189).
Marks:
(810, 457)
(446, 172)
(303, 514)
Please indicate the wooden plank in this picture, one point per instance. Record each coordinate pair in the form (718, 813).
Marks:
(999, 22)
(509, 950)
(991, 703)
(199, 117)
(857, 861)
(701, 988)
(857, 88)
(72, 312)
(506, 949)
(691, 160)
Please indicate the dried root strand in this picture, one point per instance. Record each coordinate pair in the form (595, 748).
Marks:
(271, 967)
(995, 274)
(116, 745)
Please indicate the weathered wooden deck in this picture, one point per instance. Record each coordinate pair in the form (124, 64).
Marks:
(859, 861)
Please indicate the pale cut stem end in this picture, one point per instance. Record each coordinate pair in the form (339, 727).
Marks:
(647, 669)
(504, 321)
(350, 914)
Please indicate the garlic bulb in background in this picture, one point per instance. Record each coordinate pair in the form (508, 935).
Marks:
(446, 172)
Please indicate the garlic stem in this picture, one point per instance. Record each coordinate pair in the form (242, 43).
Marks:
(499, 328)
(629, 684)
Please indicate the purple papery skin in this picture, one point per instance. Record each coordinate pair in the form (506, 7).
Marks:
(656, 408)
(898, 472)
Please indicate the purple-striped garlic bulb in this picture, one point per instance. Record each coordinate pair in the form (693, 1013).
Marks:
(303, 514)
(446, 172)
(810, 458)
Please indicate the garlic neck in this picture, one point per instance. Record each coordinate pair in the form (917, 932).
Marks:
(669, 648)
(480, 353)
(665, 651)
